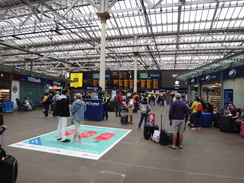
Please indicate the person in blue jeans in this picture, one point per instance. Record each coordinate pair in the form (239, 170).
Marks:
(196, 114)
(144, 107)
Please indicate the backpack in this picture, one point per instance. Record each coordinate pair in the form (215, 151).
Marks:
(44, 98)
(137, 99)
(144, 108)
(199, 108)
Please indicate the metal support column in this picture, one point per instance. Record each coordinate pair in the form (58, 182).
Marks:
(104, 16)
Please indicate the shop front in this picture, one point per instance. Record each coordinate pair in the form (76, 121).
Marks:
(5, 85)
(211, 89)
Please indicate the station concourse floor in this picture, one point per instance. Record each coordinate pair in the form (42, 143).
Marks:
(208, 155)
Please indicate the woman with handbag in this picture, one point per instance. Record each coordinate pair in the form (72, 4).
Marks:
(78, 110)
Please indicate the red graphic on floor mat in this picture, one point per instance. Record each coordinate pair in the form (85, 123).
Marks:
(105, 136)
(70, 132)
(87, 134)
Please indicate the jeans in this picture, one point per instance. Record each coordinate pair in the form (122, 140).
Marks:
(197, 119)
(143, 116)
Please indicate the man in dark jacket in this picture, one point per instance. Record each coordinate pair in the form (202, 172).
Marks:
(177, 114)
(62, 109)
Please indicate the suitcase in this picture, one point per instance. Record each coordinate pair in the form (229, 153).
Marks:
(8, 169)
(163, 134)
(124, 118)
(226, 123)
(242, 128)
(207, 119)
(148, 132)
(170, 138)
(216, 120)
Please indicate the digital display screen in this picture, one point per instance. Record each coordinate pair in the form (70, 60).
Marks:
(143, 75)
(95, 76)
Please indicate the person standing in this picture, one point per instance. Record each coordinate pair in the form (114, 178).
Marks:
(105, 101)
(177, 114)
(136, 99)
(196, 114)
(130, 107)
(78, 110)
(144, 108)
(62, 109)
(54, 100)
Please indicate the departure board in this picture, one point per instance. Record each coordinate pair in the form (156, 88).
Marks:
(115, 83)
(126, 83)
(143, 84)
(149, 84)
(131, 84)
(155, 83)
(121, 84)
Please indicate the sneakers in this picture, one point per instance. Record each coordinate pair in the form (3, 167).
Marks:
(59, 138)
(66, 140)
(194, 128)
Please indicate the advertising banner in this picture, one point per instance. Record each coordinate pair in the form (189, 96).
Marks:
(77, 78)
(228, 97)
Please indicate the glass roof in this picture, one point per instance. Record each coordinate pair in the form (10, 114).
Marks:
(58, 36)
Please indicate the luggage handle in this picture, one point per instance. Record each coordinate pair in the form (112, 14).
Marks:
(2, 140)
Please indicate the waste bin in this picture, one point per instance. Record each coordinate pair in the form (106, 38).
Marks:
(8, 107)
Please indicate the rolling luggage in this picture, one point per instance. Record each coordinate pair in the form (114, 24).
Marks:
(8, 169)
(8, 164)
(226, 123)
(170, 138)
(124, 118)
(216, 120)
(242, 128)
(207, 119)
(163, 134)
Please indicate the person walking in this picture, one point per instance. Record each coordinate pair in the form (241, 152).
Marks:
(144, 108)
(46, 100)
(78, 110)
(177, 114)
(196, 114)
(62, 109)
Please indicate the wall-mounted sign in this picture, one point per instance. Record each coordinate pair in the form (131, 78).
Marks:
(233, 73)
(32, 79)
(209, 77)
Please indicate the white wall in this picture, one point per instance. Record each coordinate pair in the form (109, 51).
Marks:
(15, 90)
(237, 85)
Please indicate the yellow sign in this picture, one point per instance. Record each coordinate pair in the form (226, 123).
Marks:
(77, 78)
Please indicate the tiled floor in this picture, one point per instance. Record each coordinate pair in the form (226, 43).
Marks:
(208, 155)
